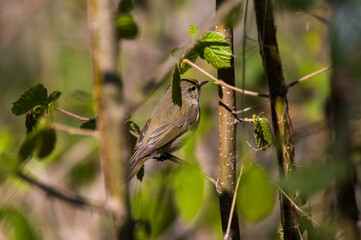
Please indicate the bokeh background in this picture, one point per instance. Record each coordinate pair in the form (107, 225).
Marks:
(47, 41)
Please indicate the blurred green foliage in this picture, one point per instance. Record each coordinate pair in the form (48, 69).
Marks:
(49, 44)
(256, 195)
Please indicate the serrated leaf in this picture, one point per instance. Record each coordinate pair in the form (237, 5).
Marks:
(31, 98)
(126, 27)
(176, 88)
(54, 96)
(214, 48)
(192, 56)
(16, 225)
(189, 191)
(193, 31)
(262, 132)
(256, 195)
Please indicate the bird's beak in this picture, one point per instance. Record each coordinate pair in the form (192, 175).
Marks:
(202, 83)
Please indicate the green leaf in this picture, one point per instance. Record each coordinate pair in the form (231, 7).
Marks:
(133, 126)
(8, 165)
(16, 225)
(214, 48)
(83, 173)
(31, 98)
(46, 144)
(30, 122)
(189, 192)
(91, 125)
(152, 202)
(193, 31)
(126, 27)
(262, 132)
(54, 96)
(176, 88)
(42, 140)
(192, 56)
(28, 146)
(256, 194)
(125, 6)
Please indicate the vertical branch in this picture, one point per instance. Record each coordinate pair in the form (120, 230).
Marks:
(346, 87)
(111, 112)
(227, 137)
(279, 106)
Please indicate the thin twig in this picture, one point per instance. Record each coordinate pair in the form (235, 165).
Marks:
(296, 206)
(67, 197)
(318, 17)
(249, 108)
(233, 205)
(309, 76)
(244, 42)
(74, 131)
(222, 83)
(83, 119)
(239, 120)
(181, 162)
(161, 74)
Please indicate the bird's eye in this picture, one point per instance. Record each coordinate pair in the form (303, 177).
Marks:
(193, 88)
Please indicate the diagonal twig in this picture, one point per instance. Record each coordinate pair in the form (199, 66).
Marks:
(296, 206)
(75, 131)
(309, 76)
(83, 119)
(222, 83)
(233, 205)
(67, 197)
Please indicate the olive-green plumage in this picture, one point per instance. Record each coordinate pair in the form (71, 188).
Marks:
(168, 125)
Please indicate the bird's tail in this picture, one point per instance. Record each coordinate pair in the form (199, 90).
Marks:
(134, 165)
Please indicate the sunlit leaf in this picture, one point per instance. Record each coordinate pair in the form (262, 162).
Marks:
(192, 56)
(176, 88)
(262, 132)
(189, 191)
(256, 194)
(16, 225)
(32, 97)
(214, 48)
(193, 31)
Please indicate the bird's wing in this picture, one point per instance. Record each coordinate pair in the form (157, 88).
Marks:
(141, 136)
(160, 137)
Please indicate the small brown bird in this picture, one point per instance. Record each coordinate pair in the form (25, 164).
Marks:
(168, 125)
